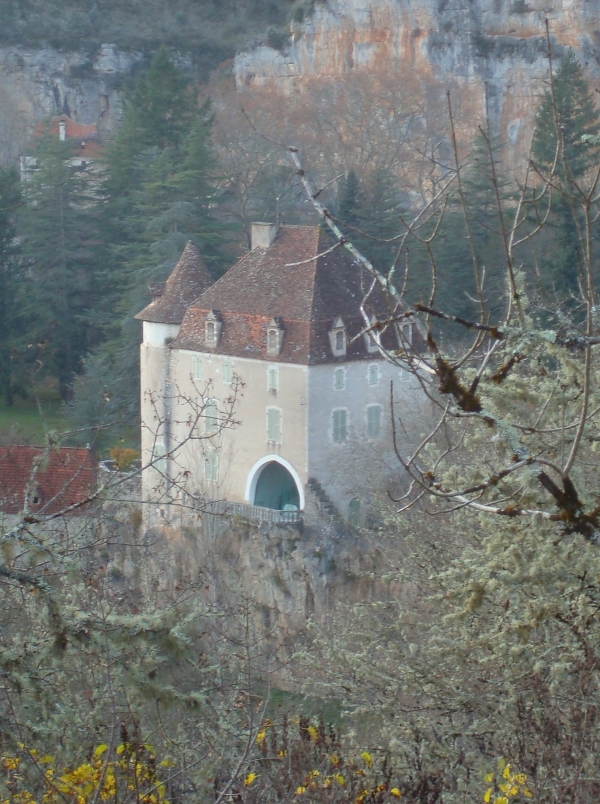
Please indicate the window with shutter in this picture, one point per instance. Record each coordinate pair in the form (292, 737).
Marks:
(211, 465)
(339, 379)
(197, 368)
(211, 416)
(373, 374)
(340, 426)
(227, 373)
(373, 421)
(158, 457)
(274, 425)
(273, 379)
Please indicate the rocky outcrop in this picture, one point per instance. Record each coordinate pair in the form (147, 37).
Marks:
(488, 52)
(35, 84)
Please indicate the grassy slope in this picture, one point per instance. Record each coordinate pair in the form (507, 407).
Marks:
(22, 423)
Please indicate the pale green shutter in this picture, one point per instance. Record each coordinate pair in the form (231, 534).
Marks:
(211, 416)
(373, 421)
(340, 426)
(274, 425)
(211, 465)
(197, 368)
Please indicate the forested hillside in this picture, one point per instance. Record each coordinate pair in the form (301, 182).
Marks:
(208, 30)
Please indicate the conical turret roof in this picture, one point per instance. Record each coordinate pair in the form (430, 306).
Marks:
(188, 280)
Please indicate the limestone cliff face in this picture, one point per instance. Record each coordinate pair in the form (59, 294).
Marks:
(462, 45)
(35, 84)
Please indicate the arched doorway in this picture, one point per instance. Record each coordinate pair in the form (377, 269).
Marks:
(276, 488)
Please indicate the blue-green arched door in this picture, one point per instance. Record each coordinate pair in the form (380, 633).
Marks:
(276, 488)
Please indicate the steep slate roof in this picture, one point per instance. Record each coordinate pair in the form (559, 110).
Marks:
(188, 280)
(295, 280)
(65, 477)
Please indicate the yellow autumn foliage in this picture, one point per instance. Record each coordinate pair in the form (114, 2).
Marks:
(127, 774)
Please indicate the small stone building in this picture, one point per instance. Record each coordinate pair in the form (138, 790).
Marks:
(263, 386)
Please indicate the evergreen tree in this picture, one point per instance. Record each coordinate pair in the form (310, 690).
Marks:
(380, 212)
(370, 215)
(565, 144)
(159, 112)
(10, 198)
(168, 199)
(456, 281)
(58, 231)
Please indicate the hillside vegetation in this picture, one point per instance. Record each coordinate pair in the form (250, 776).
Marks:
(208, 30)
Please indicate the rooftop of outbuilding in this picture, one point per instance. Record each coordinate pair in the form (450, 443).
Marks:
(53, 481)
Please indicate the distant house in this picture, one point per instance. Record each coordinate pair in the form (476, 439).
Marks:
(82, 138)
(45, 482)
(281, 333)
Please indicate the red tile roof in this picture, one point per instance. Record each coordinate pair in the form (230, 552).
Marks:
(188, 280)
(82, 137)
(73, 130)
(63, 478)
(296, 280)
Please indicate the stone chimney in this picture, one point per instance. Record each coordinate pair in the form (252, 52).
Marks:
(62, 130)
(262, 235)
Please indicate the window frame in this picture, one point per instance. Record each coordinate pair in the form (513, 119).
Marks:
(369, 432)
(211, 421)
(272, 409)
(340, 427)
(273, 371)
(211, 466)
(338, 330)
(227, 377)
(159, 457)
(197, 368)
(339, 372)
(274, 336)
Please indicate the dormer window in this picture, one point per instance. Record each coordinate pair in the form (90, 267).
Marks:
(337, 338)
(406, 334)
(212, 329)
(370, 338)
(274, 336)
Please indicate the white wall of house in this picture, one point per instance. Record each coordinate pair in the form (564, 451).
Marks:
(243, 439)
(179, 385)
(364, 465)
(159, 334)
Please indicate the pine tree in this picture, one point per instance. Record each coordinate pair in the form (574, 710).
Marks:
(169, 199)
(370, 215)
(158, 112)
(10, 199)
(564, 145)
(456, 281)
(57, 228)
